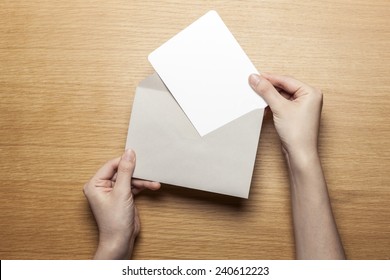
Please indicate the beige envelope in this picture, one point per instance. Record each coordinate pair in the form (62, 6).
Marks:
(170, 150)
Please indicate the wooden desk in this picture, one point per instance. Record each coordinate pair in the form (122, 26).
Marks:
(68, 70)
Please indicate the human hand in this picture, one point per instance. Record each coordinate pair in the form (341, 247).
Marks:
(110, 195)
(296, 109)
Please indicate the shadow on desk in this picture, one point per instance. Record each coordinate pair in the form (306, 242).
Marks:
(192, 195)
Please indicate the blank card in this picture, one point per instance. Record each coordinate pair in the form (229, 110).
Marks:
(206, 71)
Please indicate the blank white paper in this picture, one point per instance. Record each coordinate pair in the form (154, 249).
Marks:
(207, 71)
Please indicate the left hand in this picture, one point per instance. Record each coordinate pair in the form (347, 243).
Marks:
(110, 194)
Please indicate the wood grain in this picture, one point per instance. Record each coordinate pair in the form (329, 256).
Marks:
(68, 70)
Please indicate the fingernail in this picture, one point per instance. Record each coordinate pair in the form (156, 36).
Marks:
(128, 155)
(254, 79)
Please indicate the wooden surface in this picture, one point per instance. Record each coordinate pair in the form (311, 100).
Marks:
(68, 71)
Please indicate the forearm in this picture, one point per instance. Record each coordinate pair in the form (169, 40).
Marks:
(315, 230)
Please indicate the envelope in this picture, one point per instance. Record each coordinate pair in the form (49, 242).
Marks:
(170, 150)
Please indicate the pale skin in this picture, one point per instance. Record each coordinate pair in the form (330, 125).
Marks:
(110, 194)
(296, 109)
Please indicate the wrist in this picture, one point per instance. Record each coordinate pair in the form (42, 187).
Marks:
(306, 175)
(300, 154)
(302, 159)
(113, 247)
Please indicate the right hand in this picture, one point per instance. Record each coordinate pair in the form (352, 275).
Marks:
(296, 109)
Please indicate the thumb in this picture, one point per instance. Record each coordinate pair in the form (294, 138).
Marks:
(266, 90)
(125, 171)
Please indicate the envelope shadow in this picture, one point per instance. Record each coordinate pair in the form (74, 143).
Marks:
(186, 194)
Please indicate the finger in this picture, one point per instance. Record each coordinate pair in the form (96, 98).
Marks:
(136, 191)
(145, 184)
(288, 84)
(141, 185)
(266, 90)
(125, 171)
(107, 170)
(286, 95)
(104, 183)
(114, 177)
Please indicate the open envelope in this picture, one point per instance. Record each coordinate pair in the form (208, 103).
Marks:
(170, 150)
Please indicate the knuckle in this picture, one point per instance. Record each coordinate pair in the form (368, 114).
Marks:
(319, 94)
(263, 86)
(137, 229)
(318, 91)
(126, 167)
(137, 226)
(85, 189)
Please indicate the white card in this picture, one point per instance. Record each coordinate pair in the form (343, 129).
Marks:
(207, 71)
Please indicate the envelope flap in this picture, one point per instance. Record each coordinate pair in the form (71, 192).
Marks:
(153, 82)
